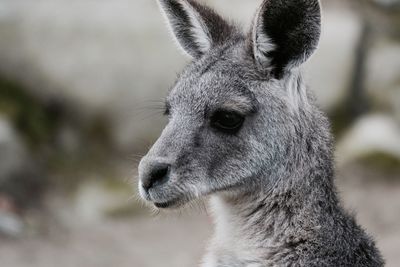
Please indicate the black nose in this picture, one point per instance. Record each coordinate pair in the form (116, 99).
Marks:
(158, 175)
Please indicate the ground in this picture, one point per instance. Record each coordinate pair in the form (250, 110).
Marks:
(179, 241)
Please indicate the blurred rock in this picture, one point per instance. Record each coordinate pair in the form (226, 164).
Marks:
(11, 225)
(375, 133)
(97, 199)
(12, 152)
(20, 181)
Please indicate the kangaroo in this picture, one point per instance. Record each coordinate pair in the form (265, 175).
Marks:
(245, 133)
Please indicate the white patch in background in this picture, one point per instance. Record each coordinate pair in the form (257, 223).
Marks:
(3, 11)
(373, 133)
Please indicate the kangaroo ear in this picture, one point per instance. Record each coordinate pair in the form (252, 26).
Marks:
(285, 33)
(196, 27)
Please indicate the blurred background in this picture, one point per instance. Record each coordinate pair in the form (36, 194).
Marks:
(81, 86)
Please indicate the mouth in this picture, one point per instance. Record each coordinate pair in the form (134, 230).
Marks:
(166, 205)
(174, 203)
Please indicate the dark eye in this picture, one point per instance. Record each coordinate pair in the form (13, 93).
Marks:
(227, 121)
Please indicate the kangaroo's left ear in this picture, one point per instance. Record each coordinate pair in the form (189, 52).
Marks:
(285, 33)
(196, 27)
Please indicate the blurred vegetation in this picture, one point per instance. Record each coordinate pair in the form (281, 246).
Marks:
(381, 161)
(37, 123)
(40, 124)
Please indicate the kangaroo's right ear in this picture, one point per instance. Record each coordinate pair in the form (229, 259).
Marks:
(196, 27)
(285, 33)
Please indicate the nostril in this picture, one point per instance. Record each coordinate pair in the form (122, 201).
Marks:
(157, 176)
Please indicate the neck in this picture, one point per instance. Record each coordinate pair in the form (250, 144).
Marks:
(266, 220)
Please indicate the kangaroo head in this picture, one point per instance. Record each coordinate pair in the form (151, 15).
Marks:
(234, 111)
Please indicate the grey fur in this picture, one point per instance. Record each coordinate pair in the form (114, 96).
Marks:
(271, 182)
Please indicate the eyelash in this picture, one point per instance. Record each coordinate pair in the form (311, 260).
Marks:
(167, 110)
